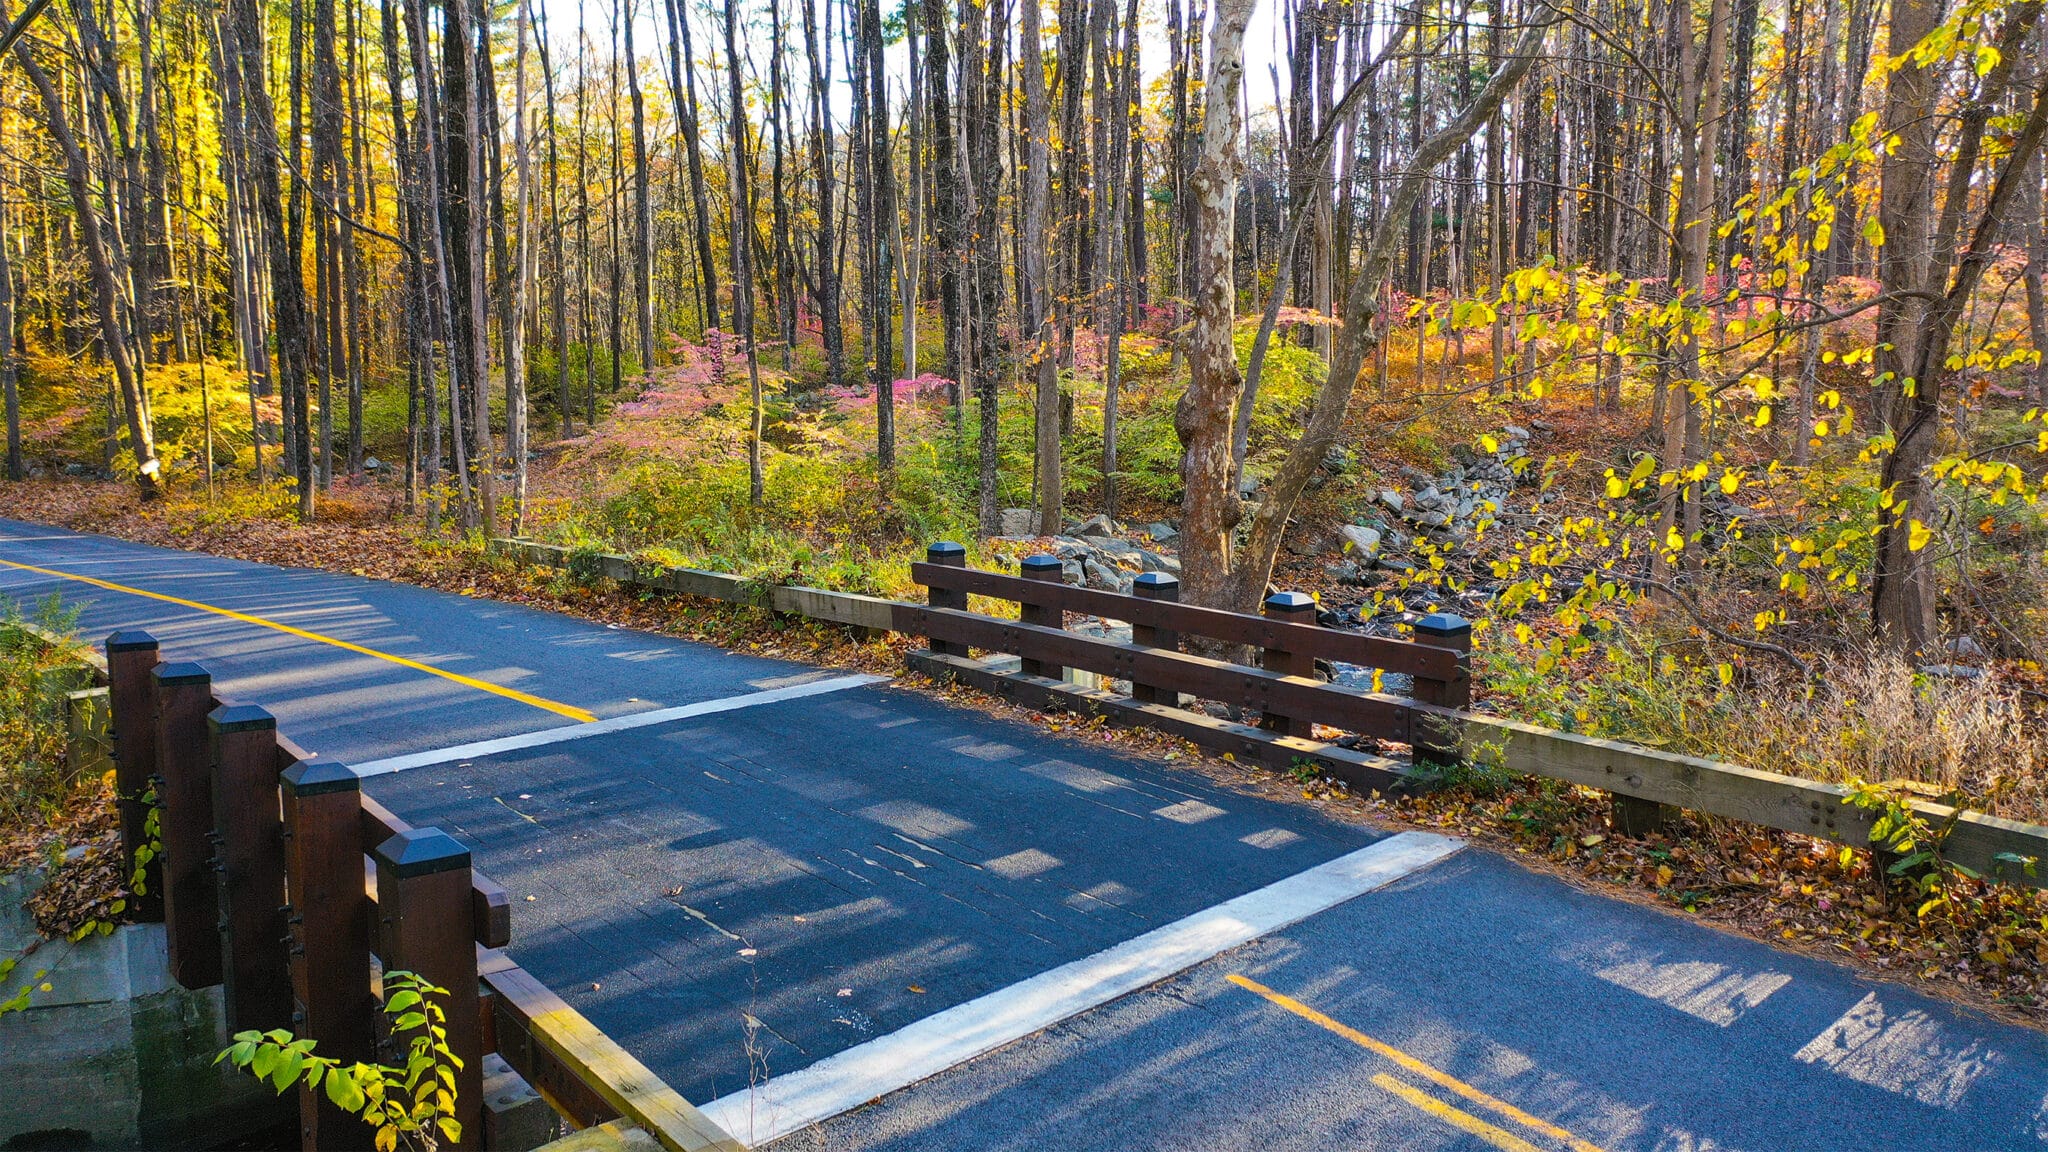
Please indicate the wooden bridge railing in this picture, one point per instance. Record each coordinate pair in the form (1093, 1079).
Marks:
(275, 877)
(1434, 718)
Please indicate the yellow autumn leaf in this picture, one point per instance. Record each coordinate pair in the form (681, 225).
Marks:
(1489, 443)
(1917, 535)
(1726, 672)
(1730, 482)
(1617, 487)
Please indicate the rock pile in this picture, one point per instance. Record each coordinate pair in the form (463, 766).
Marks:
(1442, 508)
(1093, 552)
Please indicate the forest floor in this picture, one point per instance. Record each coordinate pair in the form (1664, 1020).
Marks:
(1986, 945)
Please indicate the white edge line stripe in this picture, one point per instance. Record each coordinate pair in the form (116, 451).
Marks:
(616, 724)
(844, 1081)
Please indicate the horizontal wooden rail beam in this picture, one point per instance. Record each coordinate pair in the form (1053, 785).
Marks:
(848, 608)
(1246, 743)
(1405, 656)
(1790, 803)
(583, 1072)
(1371, 713)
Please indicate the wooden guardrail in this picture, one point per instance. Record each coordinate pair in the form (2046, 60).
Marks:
(275, 877)
(848, 608)
(1436, 719)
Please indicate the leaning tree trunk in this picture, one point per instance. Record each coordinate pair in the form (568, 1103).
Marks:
(1242, 584)
(106, 291)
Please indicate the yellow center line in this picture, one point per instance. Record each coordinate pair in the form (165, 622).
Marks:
(1465, 1121)
(570, 711)
(1427, 1071)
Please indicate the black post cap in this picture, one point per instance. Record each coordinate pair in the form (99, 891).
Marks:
(1443, 624)
(181, 673)
(1290, 602)
(1044, 563)
(133, 640)
(1156, 584)
(316, 777)
(240, 718)
(422, 852)
(946, 552)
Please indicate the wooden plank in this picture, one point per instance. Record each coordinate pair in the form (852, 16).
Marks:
(561, 1034)
(1190, 619)
(1376, 714)
(490, 904)
(823, 604)
(1772, 799)
(848, 608)
(1360, 770)
(617, 1136)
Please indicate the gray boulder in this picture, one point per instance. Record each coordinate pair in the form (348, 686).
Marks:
(1096, 525)
(1017, 522)
(1361, 542)
(1101, 576)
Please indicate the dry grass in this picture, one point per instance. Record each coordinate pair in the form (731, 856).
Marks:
(1873, 717)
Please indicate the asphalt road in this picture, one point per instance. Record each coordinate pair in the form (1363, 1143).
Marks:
(778, 888)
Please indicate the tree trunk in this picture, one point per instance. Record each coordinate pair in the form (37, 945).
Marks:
(1037, 319)
(106, 290)
(742, 251)
(1202, 418)
(683, 64)
(643, 209)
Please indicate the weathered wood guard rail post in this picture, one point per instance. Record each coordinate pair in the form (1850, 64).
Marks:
(1289, 608)
(1437, 742)
(131, 702)
(249, 838)
(1162, 587)
(952, 556)
(329, 926)
(1046, 614)
(184, 787)
(427, 927)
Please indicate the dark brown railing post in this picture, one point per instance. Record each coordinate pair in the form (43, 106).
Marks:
(184, 789)
(1046, 568)
(1431, 740)
(1155, 586)
(328, 927)
(950, 555)
(427, 927)
(249, 839)
(1291, 608)
(131, 705)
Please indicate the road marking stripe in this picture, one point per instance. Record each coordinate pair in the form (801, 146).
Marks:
(1464, 1121)
(849, 1079)
(1427, 1071)
(616, 724)
(572, 712)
